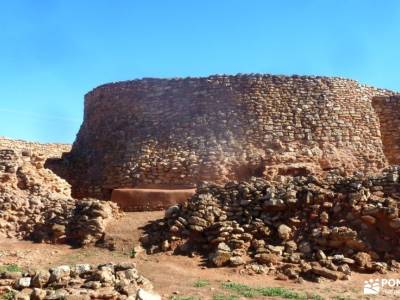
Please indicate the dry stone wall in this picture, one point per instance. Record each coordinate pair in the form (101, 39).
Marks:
(305, 227)
(52, 150)
(178, 132)
(388, 110)
(36, 204)
(80, 281)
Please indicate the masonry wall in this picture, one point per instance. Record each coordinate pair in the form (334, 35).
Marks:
(50, 150)
(388, 110)
(177, 132)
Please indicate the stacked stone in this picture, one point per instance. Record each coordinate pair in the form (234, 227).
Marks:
(36, 204)
(88, 221)
(30, 195)
(302, 228)
(221, 128)
(81, 281)
(49, 150)
(388, 109)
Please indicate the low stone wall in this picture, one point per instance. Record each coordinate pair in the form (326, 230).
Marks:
(303, 228)
(51, 150)
(80, 281)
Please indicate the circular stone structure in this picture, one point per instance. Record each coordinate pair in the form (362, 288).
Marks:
(177, 132)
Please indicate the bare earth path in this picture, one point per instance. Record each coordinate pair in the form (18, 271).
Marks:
(171, 275)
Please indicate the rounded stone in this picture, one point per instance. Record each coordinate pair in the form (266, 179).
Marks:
(284, 232)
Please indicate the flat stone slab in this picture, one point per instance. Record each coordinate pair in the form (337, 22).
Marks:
(144, 199)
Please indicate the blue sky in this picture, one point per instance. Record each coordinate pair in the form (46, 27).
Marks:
(53, 52)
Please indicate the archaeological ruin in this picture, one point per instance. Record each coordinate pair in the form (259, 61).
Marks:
(175, 133)
(296, 176)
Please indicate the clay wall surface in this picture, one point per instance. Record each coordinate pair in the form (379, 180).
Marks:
(177, 132)
(388, 110)
(51, 150)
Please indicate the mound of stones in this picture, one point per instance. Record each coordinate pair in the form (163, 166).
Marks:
(303, 227)
(81, 281)
(36, 204)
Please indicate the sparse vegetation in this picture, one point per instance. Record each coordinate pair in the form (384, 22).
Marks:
(250, 292)
(10, 268)
(201, 283)
(225, 297)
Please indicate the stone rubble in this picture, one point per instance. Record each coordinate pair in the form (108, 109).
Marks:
(303, 227)
(36, 204)
(81, 281)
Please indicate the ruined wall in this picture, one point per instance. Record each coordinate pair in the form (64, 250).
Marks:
(52, 150)
(388, 110)
(219, 128)
(36, 204)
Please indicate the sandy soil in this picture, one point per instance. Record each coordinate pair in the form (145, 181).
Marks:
(171, 275)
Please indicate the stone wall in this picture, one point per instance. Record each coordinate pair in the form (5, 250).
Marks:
(388, 110)
(47, 150)
(36, 204)
(306, 227)
(79, 281)
(181, 131)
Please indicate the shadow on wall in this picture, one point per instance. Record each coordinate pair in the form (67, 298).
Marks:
(57, 166)
(388, 111)
(245, 172)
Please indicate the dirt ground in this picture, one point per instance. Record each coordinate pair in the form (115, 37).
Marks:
(173, 276)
